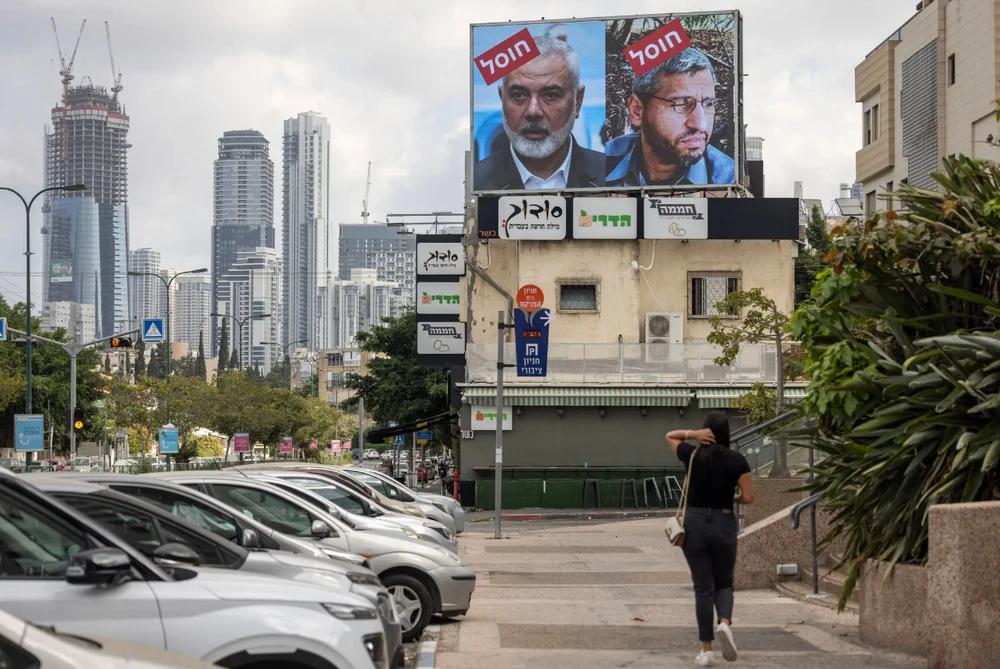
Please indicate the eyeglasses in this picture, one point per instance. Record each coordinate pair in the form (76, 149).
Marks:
(686, 105)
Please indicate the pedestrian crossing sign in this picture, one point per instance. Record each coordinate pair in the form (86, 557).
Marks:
(152, 329)
(397, 440)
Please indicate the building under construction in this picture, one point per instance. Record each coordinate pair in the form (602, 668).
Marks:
(86, 234)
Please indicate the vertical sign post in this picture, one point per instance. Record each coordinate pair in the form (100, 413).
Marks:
(498, 473)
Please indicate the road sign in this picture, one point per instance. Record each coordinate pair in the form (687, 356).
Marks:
(152, 329)
(3, 329)
(335, 445)
(424, 436)
(286, 445)
(29, 432)
(397, 441)
(241, 443)
(530, 298)
(169, 440)
(532, 341)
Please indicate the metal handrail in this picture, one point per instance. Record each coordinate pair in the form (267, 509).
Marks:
(754, 429)
(800, 507)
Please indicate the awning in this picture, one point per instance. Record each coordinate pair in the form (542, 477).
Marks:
(570, 396)
(722, 397)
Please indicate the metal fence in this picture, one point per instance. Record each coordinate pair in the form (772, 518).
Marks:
(630, 363)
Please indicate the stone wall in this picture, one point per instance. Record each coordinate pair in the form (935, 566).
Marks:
(771, 496)
(963, 586)
(894, 610)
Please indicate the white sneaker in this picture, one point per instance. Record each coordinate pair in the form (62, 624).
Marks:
(725, 635)
(706, 658)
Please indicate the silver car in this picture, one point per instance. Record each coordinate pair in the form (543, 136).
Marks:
(422, 578)
(389, 486)
(356, 510)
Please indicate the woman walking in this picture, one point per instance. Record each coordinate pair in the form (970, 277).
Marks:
(710, 526)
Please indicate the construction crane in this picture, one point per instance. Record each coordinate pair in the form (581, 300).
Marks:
(66, 71)
(116, 74)
(364, 204)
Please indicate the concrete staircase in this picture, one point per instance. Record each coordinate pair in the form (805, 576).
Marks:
(831, 582)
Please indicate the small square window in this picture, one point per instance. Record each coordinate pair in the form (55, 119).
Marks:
(710, 288)
(579, 297)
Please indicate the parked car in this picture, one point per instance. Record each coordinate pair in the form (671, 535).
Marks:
(324, 493)
(399, 492)
(422, 474)
(24, 645)
(62, 568)
(371, 454)
(151, 529)
(12, 465)
(422, 578)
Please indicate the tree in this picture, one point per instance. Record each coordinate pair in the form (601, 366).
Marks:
(200, 370)
(396, 386)
(107, 363)
(817, 234)
(902, 346)
(157, 368)
(762, 321)
(234, 360)
(140, 358)
(310, 387)
(223, 348)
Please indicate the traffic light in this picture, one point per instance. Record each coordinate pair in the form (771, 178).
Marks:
(121, 342)
(79, 420)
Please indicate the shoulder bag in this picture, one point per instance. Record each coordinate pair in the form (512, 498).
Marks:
(674, 528)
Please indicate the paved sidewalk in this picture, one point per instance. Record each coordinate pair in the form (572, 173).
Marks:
(616, 594)
(568, 514)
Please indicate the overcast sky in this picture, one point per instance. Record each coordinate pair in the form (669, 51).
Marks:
(392, 77)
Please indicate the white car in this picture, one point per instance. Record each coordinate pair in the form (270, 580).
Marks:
(23, 644)
(371, 454)
(58, 567)
(389, 486)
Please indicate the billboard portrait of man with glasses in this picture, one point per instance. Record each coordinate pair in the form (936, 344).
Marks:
(674, 108)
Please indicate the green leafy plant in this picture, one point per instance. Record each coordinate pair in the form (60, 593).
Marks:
(901, 345)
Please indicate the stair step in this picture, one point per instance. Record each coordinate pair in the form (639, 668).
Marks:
(802, 591)
(830, 581)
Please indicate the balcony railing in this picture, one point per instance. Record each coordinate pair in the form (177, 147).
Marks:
(692, 363)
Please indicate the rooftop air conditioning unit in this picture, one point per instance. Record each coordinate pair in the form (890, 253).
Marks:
(664, 337)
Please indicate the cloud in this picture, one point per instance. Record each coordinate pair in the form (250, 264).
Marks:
(391, 77)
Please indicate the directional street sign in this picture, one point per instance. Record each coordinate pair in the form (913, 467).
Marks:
(424, 436)
(169, 441)
(152, 329)
(29, 432)
(532, 341)
(3, 329)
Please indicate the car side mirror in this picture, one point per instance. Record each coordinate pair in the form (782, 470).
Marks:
(334, 511)
(249, 539)
(99, 566)
(393, 493)
(176, 554)
(320, 530)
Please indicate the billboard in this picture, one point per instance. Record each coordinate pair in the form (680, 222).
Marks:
(606, 104)
(60, 270)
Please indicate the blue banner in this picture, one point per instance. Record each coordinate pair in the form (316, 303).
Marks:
(424, 436)
(29, 432)
(532, 340)
(169, 440)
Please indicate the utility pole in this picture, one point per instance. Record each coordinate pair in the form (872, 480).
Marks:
(502, 328)
(361, 427)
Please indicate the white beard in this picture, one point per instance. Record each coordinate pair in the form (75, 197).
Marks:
(539, 148)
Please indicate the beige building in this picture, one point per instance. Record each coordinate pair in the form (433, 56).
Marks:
(927, 92)
(627, 356)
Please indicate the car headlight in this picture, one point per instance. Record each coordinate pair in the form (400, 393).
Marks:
(345, 612)
(410, 533)
(414, 511)
(360, 578)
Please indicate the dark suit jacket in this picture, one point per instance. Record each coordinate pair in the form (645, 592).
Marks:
(498, 171)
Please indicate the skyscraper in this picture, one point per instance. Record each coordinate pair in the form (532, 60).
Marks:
(147, 297)
(252, 287)
(192, 306)
(85, 234)
(244, 207)
(360, 302)
(305, 233)
(390, 251)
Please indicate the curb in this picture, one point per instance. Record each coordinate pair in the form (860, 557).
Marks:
(427, 650)
(596, 515)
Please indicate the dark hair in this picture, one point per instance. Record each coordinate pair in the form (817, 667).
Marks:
(719, 425)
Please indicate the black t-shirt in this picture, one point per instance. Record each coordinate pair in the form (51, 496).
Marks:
(714, 485)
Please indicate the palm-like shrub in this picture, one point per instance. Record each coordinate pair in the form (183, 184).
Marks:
(902, 347)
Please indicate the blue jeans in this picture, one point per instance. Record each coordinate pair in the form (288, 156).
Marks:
(710, 550)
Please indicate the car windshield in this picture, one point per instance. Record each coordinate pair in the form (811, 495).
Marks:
(344, 500)
(276, 512)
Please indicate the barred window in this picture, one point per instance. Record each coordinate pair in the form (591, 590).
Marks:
(579, 296)
(710, 288)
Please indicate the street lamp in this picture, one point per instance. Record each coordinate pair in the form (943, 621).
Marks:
(240, 323)
(166, 285)
(284, 351)
(27, 287)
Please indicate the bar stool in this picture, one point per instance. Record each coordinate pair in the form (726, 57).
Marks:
(656, 491)
(595, 485)
(673, 488)
(630, 483)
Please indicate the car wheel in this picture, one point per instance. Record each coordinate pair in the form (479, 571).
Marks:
(413, 602)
